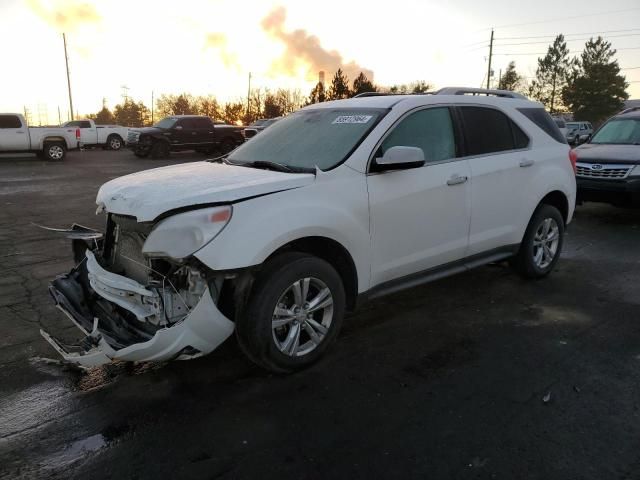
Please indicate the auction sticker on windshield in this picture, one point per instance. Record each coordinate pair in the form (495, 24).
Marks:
(353, 119)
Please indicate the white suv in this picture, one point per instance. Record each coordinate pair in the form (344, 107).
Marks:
(338, 202)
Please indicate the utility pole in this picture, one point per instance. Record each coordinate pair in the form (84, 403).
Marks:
(59, 116)
(152, 103)
(249, 97)
(499, 77)
(66, 61)
(490, 55)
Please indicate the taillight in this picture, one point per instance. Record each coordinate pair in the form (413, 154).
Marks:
(573, 158)
(78, 133)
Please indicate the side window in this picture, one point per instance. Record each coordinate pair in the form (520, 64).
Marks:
(542, 119)
(185, 123)
(487, 130)
(73, 124)
(85, 124)
(201, 123)
(430, 129)
(10, 121)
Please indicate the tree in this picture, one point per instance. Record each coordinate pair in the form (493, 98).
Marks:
(552, 74)
(597, 90)
(510, 80)
(234, 112)
(131, 114)
(362, 85)
(339, 88)
(272, 107)
(103, 117)
(183, 104)
(318, 94)
(208, 106)
(420, 86)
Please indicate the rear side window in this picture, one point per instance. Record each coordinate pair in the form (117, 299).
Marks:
(201, 123)
(10, 121)
(85, 124)
(542, 119)
(487, 130)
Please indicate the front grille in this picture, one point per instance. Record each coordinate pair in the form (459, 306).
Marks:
(132, 137)
(597, 170)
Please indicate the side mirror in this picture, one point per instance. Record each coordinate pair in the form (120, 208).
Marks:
(397, 158)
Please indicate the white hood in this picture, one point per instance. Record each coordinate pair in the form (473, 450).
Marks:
(147, 194)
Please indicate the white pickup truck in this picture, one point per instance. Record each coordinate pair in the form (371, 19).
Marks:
(107, 136)
(49, 142)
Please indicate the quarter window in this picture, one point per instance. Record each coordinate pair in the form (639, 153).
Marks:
(487, 130)
(430, 129)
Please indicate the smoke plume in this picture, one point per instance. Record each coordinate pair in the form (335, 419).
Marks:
(305, 49)
(218, 42)
(65, 16)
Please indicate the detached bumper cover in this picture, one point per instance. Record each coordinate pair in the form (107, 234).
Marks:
(108, 338)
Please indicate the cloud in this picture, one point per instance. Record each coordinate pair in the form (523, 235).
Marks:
(65, 16)
(219, 42)
(305, 49)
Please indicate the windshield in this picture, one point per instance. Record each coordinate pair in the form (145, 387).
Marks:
(623, 131)
(166, 123)
(320, 137)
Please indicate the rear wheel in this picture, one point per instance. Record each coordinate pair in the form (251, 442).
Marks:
(542, 243)
(54, 151)
(160, 150)
(114, 142)
(294, 312)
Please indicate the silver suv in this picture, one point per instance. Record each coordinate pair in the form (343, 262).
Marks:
(578, 132)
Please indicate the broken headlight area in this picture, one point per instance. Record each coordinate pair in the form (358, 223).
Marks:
(137, 308)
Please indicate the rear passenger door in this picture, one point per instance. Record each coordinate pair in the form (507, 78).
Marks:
(184, 133)
(204, 131)
(501, 163)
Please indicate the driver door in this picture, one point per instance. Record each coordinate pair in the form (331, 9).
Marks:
(419, 217)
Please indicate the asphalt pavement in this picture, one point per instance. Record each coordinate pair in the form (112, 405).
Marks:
(483, 375)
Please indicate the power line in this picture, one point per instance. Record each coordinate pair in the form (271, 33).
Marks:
(567, 18)
(544, 53)
(571, 34)
(568, 40)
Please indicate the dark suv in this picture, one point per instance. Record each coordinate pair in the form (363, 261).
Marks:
(184, 132)
(608, 166)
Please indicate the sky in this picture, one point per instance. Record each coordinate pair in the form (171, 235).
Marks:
(210, 46)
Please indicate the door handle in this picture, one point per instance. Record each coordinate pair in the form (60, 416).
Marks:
(526, 162)
(457, 180)
(19, 131)
(193, 133)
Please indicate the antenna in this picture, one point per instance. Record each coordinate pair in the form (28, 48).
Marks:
(125, 92)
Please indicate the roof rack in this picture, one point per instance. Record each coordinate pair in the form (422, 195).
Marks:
(479, 91)
(629, 110)
(372, 94)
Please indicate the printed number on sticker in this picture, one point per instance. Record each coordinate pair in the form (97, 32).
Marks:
(352, 119)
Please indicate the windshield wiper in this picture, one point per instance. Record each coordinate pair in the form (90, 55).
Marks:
(220, 159)
(278, 167)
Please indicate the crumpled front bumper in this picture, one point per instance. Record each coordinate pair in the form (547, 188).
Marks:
(108, 339)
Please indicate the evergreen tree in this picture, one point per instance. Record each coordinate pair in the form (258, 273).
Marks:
(131, 114)
(318, 94)
(552, 74)
(362, 85)
(104, 117)
(510, 80)
(597, 90)
(339, 88)
(420, 87)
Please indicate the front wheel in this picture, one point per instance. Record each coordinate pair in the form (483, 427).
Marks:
(160, 150)
(293, 314)
(542, 243)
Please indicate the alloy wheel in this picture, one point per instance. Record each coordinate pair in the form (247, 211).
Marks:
(545, 243)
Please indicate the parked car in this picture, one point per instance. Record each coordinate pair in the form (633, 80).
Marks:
(184, 132)
(608, 168)
(49, 142)
(91, 135)
(578, 132)
(279, 238)
(562, 126)
(258, 126)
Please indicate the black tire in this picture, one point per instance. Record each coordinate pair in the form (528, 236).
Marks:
(114, 142)
(526, 262)
(254, 323)
(141, 153)
(160, 150)
(54, 151)
(227, 145)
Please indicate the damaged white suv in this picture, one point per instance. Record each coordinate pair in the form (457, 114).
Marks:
(335, 203)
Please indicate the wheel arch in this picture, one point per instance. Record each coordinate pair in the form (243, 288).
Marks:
(559, 200)
(331, 252)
